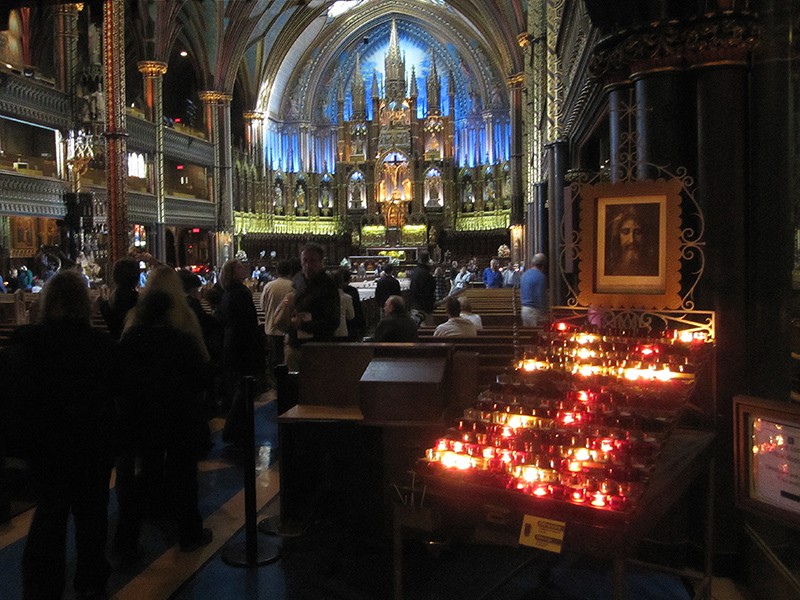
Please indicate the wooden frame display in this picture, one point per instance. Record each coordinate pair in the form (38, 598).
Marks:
(630, 245)
(22, 233)
(767, 457)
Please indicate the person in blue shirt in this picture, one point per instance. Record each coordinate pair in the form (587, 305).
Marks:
(533, 292)
(492, 276)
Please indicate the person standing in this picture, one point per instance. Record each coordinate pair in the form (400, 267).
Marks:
(64, 428)
(533, 293)
(492, 276)
(242, 346)
(442, 284)
(356, 325)
(387, 285)
(315, 314)
(346, 311)
(271, 297)
(422, 291)
(160, 364)
(125, 276)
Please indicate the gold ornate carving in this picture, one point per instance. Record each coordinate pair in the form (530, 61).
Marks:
(253, 116)
(516, 80)
(212, 96)
(152, 68)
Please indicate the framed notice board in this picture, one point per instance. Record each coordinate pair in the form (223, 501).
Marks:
(767, 457)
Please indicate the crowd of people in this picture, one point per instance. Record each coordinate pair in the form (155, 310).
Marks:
(141, 395)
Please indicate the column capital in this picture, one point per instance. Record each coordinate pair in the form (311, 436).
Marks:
(152, 68)
(71, 7)
(253, 116)
(209, 96)
(516, 80)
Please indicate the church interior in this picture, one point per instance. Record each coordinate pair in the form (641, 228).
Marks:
(193, 132)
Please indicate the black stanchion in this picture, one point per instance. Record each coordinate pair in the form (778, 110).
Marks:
(255, 551)
(286, 386)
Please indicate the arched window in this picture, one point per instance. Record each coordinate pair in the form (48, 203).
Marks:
(356, 191)
(433, 187)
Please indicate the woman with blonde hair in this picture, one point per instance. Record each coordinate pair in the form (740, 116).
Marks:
(166, 280)
(161, 366)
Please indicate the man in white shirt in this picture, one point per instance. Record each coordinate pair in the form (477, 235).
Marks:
(271, 298)
(466, 313)
(455, 326)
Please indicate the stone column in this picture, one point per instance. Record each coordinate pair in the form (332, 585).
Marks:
(517, 195)
(720, 64)
(656, 72)
(772, 199)
(556, 170)
(153, 73)
(116, 133)
(218, 126)
(253, 136)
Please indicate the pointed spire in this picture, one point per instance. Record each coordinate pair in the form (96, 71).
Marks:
(394, 40)
(394, 68)
(414, 92)
(359, 100)
(375, 91)
(434, 87)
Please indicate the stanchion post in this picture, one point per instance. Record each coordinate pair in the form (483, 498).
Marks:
(255, 552)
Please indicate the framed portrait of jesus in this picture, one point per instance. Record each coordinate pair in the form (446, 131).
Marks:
(630, 244)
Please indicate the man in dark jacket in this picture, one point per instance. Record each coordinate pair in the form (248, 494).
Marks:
(387, 285)
(422, 291)
(316, 305)
(396, 325)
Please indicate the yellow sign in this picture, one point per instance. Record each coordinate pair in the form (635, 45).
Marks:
(545, 534)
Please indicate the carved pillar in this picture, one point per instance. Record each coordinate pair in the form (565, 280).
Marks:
(218, 126)
(517, 196)
(67, 47)
(620, 126)
(153, 72)
(656, 72)
(556, 171)
(116, 133)
(254, 136)
(488, 126)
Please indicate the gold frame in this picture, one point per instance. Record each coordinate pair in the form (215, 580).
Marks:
(596, 287)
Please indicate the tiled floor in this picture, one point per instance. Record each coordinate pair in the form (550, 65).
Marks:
(330, 562)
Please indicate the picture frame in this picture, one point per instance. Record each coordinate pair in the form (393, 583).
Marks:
(767, 457)
(630, 245)
(23, 233)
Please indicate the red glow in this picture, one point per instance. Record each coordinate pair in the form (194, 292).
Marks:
(179, 167)
(196, 230)
(561, 326)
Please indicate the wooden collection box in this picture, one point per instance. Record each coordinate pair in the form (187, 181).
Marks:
(403, 389)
